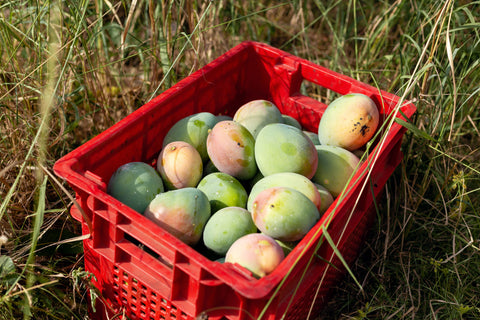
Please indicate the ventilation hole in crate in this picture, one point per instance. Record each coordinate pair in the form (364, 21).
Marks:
(163, 309)
(142, 314)
(318, 92)
(134, 298)
(123, 220)
(100, 224)
(124, 292)
(134, 290)
(153, 303)
(124, 301)
(142, 304)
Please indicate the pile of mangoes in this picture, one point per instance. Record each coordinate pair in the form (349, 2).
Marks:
(247, 188)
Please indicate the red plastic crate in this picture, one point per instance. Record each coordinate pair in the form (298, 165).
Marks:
(145, 273)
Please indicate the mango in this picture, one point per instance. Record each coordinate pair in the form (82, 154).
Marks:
(256, 114)
(180, 165)
(223, 190)
(286, 179)
(350, 121)
(335, 167)
(326, 196)
(225, 227)
(230, 147)
(135, 184)
(291, 121)
(283, 148)
(258, 253)
(194, 130)
(313, 136)
(182, 212)
(284, 213)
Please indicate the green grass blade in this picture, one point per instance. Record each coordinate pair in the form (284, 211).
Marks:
(38, 220)
(340, 256)
(37, 225)
(416, 131)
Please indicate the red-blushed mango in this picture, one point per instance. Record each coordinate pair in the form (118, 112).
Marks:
(284, 213)
(135, 184)
(257, 252)
(283, 148)
(335, 168)
(225, 227)
(182, 212)
(256, 114)
(194, 130)
(286, 179)
(180, 165)
(223, 190)
(230, 147)
(350, 121)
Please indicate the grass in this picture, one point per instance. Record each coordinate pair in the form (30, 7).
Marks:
(71, 69)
